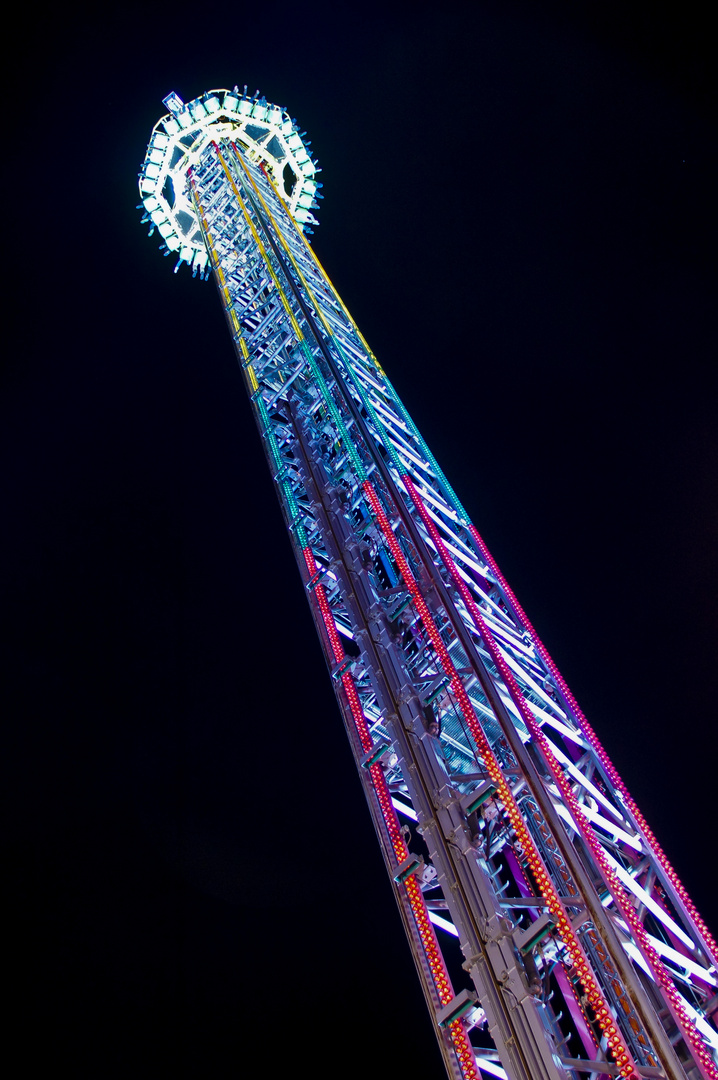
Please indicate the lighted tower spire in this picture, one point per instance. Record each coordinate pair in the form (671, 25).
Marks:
(502, 820)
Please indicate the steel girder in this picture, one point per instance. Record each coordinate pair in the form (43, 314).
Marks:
(502, 821)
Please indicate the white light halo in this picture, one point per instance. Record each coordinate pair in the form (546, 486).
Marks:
(207, 118)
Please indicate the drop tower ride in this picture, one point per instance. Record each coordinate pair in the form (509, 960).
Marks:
(503, 823)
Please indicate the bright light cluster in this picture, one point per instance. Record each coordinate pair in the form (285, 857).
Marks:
(265, 132)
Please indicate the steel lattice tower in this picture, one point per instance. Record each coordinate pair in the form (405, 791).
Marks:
(502, 820)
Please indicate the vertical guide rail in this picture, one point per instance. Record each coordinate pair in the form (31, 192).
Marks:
(674, 1000)
(389, 557)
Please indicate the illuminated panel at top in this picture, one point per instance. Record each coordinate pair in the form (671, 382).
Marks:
(268, 136)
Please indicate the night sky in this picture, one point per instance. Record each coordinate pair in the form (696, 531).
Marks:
(520, 214)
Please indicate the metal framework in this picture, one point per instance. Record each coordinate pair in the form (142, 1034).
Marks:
(502, 820)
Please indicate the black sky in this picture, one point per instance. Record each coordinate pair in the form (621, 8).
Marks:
(520, 213)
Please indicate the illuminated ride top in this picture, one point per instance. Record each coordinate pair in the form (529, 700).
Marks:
(502, 820)
(267, 134)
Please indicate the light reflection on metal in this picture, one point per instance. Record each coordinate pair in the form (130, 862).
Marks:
(512, 815)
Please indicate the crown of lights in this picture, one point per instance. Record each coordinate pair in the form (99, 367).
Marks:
(267, 134)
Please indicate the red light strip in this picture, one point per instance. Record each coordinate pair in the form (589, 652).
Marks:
(685, 1022)
(462, 1046)
(622, 1054)
(710, 944)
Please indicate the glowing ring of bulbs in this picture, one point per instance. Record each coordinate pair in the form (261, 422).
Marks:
(266, 133)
